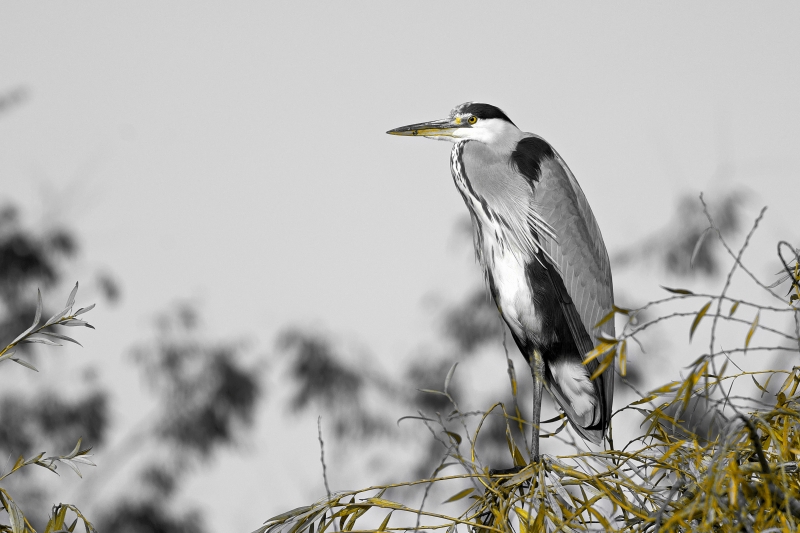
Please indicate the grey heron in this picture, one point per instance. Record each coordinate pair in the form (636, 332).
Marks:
(542, 254)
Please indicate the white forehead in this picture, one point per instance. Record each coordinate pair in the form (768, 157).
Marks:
(459, 110)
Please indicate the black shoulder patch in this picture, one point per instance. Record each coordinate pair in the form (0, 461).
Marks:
(483, 111)
(529, 154)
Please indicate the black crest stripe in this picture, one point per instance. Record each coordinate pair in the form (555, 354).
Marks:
(528, 157)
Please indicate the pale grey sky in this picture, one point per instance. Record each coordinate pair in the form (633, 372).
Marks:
(234, 152)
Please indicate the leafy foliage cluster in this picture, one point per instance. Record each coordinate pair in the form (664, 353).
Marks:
(46, 334)
(718, 452)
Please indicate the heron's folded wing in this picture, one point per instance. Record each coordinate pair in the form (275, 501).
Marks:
(582, 272)
(578, 252)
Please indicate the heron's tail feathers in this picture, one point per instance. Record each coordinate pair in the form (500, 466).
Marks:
(578, 396)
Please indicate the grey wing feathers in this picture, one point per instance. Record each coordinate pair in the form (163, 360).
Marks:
(579, 251)
(581, 258)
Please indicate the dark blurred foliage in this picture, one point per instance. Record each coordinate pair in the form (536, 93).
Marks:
(108, 286)
(36, 422)
(150, 517)
(472, 323)
(206, 392)
(325, 379)
(320, 374)
(206, 398)
(28, 260)
(331, 383)
(685, 237)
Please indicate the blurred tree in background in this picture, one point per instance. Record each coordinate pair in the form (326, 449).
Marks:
(205, 395)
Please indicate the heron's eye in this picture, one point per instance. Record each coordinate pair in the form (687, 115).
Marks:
(473, 119)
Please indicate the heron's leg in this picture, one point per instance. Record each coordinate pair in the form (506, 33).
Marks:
(537, 371)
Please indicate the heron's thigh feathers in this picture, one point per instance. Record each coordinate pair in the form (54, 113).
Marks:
(573, 380)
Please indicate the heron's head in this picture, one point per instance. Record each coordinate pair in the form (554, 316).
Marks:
(469, 121)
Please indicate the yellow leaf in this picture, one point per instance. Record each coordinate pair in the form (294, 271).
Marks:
(385, 522)
(676, 291)
(669, 387)
(603, 366)
(734, 307)
(538, 524)
(753, 327)
(459, 495)
(455, 436)
(602, 347)
(698, 318)
(671, 450)
(646, 399)
(758, 384)
(623, 358)
(606, 318)
(524, 519)
(378, 502)
(788, 381)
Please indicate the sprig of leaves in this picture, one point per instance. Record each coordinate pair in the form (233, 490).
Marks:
(63, 318)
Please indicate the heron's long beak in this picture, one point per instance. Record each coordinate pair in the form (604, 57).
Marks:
(435, 128)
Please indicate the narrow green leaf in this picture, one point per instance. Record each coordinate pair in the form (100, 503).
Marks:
(603, 347)
(753, 327)
(62, 337)
(76, 449)
(697, 319)
(606, 318)
(538, 523)
(385, 522)
(646, 399)
(387, 504)
(74, 323)
(697, 247)
(38, 308)
(84, 310)
(449, 377)
(35, 319)
(676, 291)
(16, 517)
(524, 519)
(603, 365)
(455, 436)
(37, 340)
(758, 384)
(71, 299)
(459, 495)
(57, 316)
(24, 363)
(622, 310)
(72, 465)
